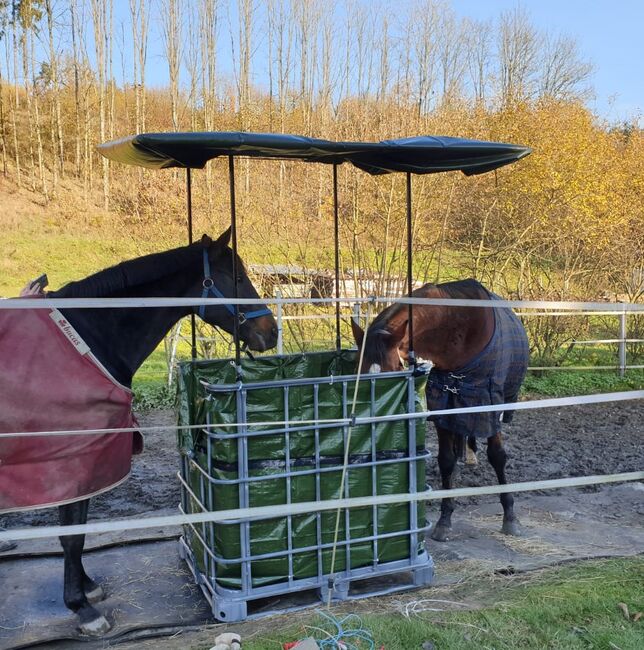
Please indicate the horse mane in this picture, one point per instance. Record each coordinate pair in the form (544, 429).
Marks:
(377, 347)
(122, 277)
(469, 289)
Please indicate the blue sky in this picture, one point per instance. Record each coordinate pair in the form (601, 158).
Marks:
(609, 33)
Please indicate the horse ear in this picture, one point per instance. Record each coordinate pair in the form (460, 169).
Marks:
(398, 332)
(358, 332)
(206, 242)
(224, 239)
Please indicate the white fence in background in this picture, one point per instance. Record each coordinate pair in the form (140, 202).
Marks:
(357, 313)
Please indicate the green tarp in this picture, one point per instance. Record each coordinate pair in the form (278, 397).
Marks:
(419, 155)
(266, 455)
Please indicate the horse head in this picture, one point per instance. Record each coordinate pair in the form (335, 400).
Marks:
(257, 327)
(384, 349)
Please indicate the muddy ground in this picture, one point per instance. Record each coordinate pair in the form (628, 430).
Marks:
(150, 589)
(542, 444)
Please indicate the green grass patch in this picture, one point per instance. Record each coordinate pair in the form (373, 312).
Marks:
(563, 383)
(569, 608)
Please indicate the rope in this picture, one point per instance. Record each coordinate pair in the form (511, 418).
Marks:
(345, 462)
(553, 402)
(341, 637)
(308, 507)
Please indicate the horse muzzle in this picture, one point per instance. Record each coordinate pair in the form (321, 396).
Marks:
(260, 334)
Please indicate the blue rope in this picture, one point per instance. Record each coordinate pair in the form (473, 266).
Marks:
(347, 637)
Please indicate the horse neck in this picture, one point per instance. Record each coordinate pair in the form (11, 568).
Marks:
(121, 339)
(449, 336)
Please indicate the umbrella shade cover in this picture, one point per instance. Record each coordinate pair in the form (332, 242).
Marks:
(419, 155)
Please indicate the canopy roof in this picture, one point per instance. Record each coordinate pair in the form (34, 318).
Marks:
(421, 155)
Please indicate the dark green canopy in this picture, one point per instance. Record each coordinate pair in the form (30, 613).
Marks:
(421, 155)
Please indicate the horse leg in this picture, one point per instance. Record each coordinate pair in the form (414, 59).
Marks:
(446, 463)
(497, 456)
(78, 585)
(470, 451)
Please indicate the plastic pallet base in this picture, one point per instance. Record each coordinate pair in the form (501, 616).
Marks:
(232, 607)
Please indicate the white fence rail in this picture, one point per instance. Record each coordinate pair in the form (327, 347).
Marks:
(603, 309)
(290, 509)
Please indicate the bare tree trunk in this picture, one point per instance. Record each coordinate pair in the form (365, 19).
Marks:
(34, 104)
(57, 126)
(192, 59)
(101, 37)
(77, 100)
(172, 39)
(209, 21)
(28, 95)
(139, 21)
(3, 129)
(479, 57)
(245, 9)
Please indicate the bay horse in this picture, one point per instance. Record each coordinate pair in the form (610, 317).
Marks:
(479, 356)
(122, 338)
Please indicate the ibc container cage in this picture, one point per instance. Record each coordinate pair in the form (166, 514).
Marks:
(296, 455)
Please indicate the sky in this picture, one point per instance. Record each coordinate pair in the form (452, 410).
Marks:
(610, 33)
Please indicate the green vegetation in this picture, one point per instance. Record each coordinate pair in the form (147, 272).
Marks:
(569, 608)
(561, 383)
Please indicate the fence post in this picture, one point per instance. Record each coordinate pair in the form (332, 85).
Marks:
(357, 315)
(280, 334)
(622, 343)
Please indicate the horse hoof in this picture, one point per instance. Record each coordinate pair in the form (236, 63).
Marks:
(95, 595)
(470, 457)
(511, 528)
(441, 533)
(97, 627)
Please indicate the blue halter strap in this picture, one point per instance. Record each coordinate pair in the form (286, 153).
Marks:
(210, 288)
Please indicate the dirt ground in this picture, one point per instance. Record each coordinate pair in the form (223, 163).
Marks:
(145, 580)
(542, 444)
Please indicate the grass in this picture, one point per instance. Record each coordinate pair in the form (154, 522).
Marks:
(569, 608)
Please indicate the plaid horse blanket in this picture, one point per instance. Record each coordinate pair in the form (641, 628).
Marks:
(50, 381)
(494, 376)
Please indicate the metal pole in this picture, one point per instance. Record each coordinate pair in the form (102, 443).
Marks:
(193, 323)
(336, 224)
(622, 344)
(410, 281)
(280, 324)
(233, 226)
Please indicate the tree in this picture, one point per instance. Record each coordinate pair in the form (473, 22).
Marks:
(517, 51)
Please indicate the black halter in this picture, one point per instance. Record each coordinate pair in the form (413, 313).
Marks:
(209, 287)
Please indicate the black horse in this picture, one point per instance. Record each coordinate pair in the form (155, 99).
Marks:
(480, 357)
(122, 338)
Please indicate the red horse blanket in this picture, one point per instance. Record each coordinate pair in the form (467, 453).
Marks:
(50, 381)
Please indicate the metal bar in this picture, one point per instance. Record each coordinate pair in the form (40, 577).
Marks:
(336, 240)
(318, 487)
(622, 344)
(288, 486)
(374, 472)
(410, 281)
(280, 324)
(193, 322)
(333, 379)
(233, 226)
(423, 457)
(413, 466)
